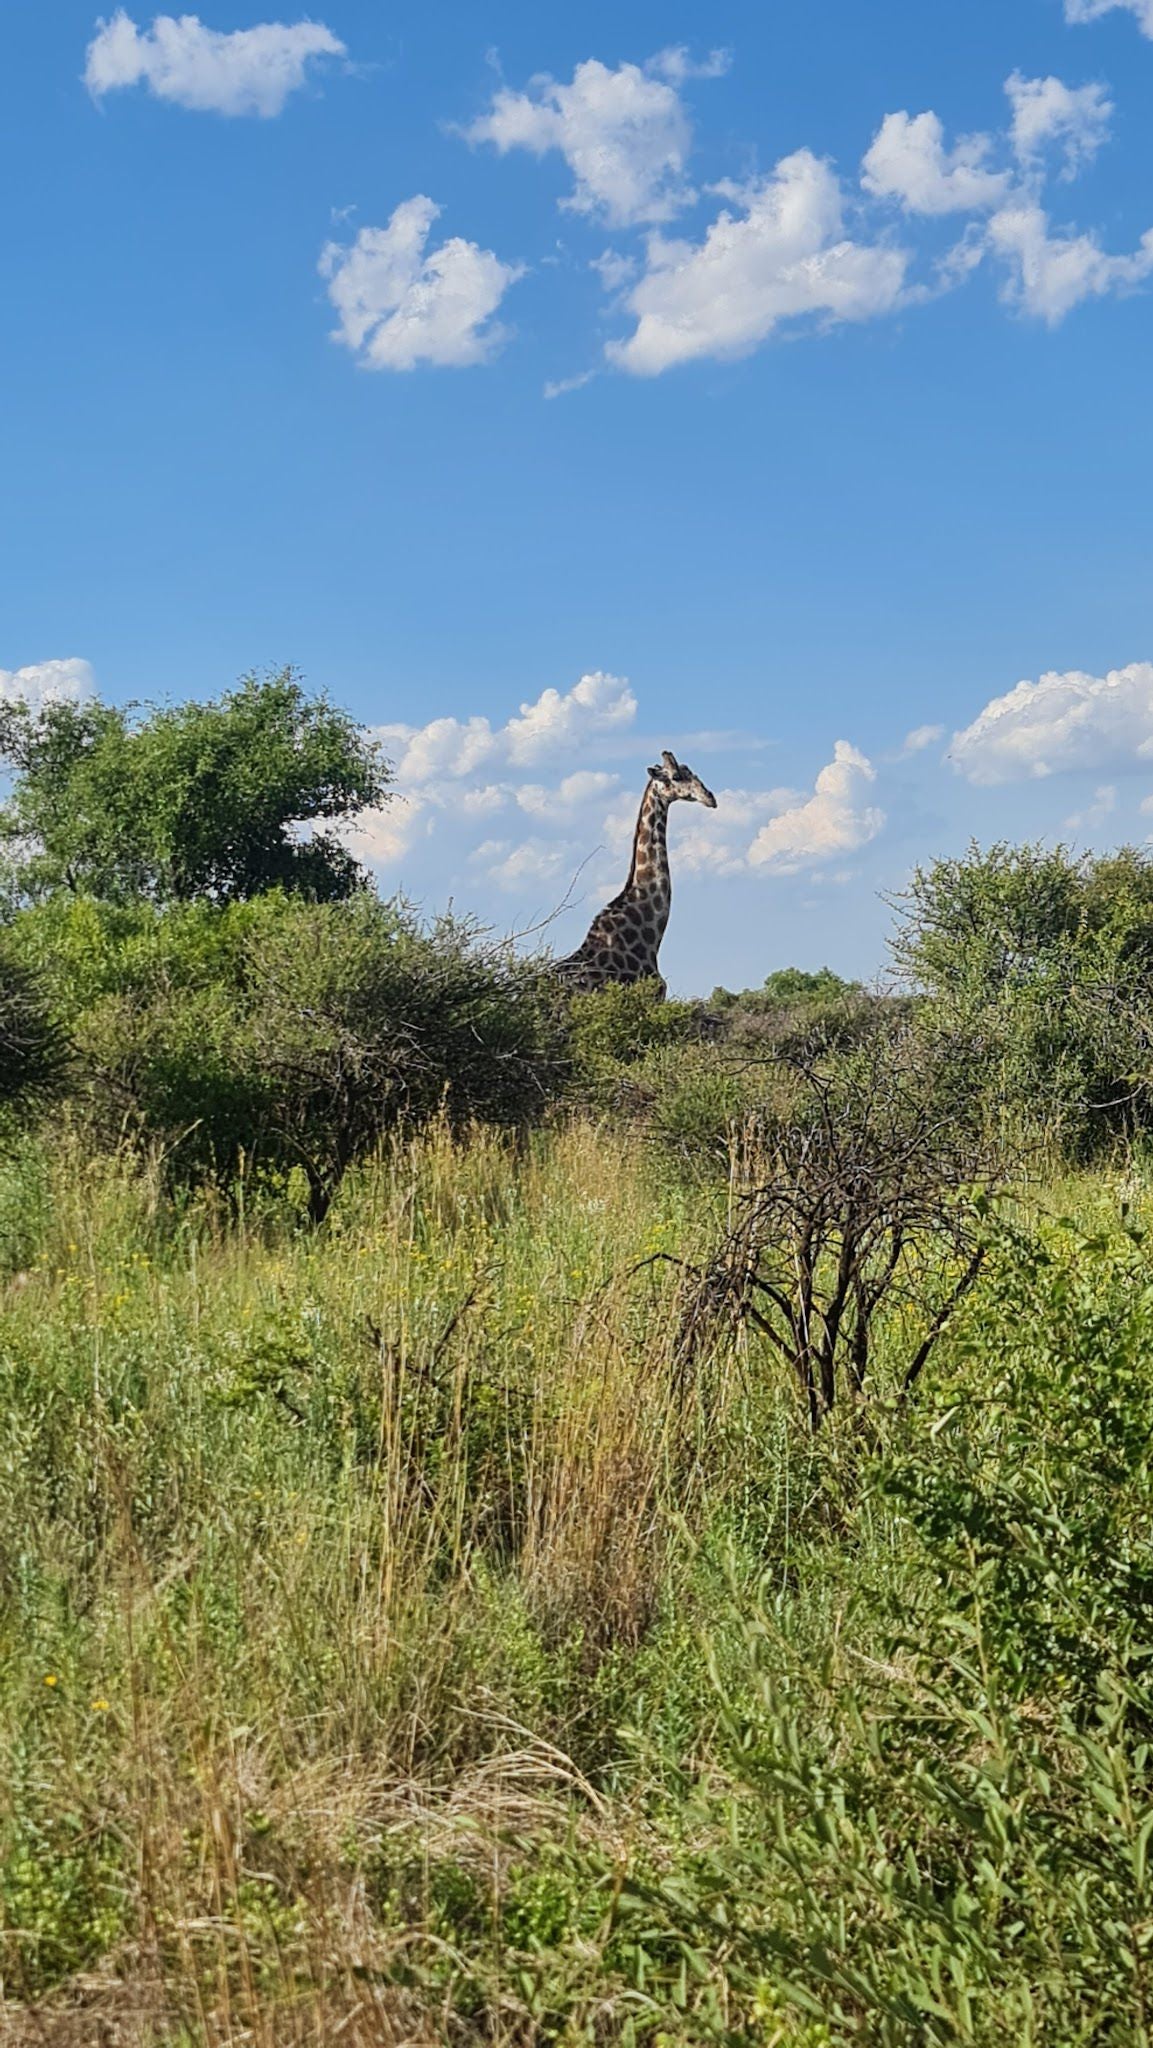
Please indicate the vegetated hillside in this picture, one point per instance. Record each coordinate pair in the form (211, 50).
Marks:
(405, 1640)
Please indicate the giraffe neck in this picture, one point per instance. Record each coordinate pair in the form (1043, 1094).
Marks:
(649, 879)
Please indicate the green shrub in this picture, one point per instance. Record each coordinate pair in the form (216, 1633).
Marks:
(1035, 1510)
(619, 1023)
(792, 1010)
(279, 1034)
(33, 1047)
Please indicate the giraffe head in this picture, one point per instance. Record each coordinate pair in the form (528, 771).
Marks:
(678, 783)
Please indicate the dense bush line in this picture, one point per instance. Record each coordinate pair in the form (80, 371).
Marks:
(278, 1034)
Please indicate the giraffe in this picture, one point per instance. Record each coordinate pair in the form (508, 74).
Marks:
(623, 942)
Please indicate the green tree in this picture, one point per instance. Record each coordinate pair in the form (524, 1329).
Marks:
(1038, 965)
(185, 801)
(787, 987)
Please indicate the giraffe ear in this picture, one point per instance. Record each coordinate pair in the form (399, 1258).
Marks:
(657, 775)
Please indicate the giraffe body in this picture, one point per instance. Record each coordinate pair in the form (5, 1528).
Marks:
(623, 942)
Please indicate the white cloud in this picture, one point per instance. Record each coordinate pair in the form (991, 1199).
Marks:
(399, 307)
(614, 270)
(922, 736)
(381, 837)
(598, 703)
(1094, 814)
(1092, 10)
(445, 747)
(781, 831)
(525, 866)
(624, 134)
(452, 748)
(1061, 722)
(676, 64)
(460, 796)
(47, 682)
(786, 257)
(475, 803)
(251, 71)
(573, 793)
(832, 821)
(1050, 274)
(957, 264)
(907, 161)
(558, 386)
(717, 843)
(1045, 110)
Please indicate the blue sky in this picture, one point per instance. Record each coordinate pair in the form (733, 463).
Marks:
(767, 381)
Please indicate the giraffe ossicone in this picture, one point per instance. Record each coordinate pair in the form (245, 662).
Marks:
(623, 942)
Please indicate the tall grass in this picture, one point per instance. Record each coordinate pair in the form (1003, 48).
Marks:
(398, 1646)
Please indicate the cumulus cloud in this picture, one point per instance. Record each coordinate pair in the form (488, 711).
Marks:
(716, 843)
(1046, 111)
(462, 792)
(47, 682)
(445, 747)
(1061, 722)
(1049, 273)
(556, 720)
(833, 821)
(251, 71)
(784, 256)
(452, 748)
(400, 306)
(516, 868)
(1092, 10)
(624, 134)
(572, 793)
(908, 162)
(381, 837)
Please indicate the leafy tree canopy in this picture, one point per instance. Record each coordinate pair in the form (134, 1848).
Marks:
(1009, 917)
(1040, 962)
(185, 801)
(785, 986)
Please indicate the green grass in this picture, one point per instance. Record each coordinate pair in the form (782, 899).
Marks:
(396, 1647)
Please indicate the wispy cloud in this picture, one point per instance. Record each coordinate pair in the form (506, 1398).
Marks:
(1094, 10)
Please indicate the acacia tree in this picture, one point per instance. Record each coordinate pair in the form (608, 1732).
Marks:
(866, 1193)
(190, 800)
